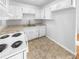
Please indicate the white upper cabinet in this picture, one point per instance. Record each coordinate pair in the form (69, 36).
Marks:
(4, 3)
(37, 14)
(48, 13)
(73, 3)
(42, 13)
(4, 7)
(28, 10)
(53, 7)
(63, 4)
(32, 11)
(16, 12)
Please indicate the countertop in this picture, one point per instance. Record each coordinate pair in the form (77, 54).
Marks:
(11, 29)
(17, 28)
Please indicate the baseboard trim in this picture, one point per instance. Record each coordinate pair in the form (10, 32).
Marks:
(62, 46)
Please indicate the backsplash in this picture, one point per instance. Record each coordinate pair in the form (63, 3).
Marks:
(13, 22)
(0, 22)
(24, 22)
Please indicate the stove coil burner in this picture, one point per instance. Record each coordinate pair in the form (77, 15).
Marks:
(16, 44)
(5, 36)
(16, 35)
(2, 47)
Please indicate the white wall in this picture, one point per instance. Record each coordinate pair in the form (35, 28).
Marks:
(63, 28)
(77, 13)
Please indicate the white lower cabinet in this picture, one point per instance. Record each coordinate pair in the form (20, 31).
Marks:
(31, 33)
(42, 31)
(35, 32)
(16, 12)
(18, 56)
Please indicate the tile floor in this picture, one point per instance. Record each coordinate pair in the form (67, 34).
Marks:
(43, 48)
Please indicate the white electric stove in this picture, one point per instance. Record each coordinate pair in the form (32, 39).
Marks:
(13, 46)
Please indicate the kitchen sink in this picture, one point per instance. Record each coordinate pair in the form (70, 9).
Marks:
(30, 25)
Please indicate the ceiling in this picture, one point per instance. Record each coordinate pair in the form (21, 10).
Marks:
(35, 2)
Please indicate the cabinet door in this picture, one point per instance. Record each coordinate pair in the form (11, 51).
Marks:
(74, 3)
(4, 2)
(48, 13)
(27, 34)
(53, 7)
(43, 13)
(65, 4)
(3, 8)
(32, 33)
(16, 12)
(18, 56)
(28, 10)
(70, 3)
(61, 5)
(42, 31)
(25, 10)
(37, 14)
